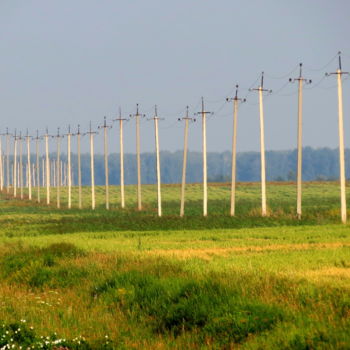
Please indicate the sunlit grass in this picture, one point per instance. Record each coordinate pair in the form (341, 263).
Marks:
(160, 283)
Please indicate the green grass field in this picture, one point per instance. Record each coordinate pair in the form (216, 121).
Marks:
(123, 279)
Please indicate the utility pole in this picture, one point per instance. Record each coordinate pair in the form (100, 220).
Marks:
(339, 74)
(92, 167)
(235, 101)
(53, 170)
(300, 81)
(7, 160)
(58, 167)
(121, 145)
(46, 136)
(138, 156)
(204, 113)
(69, 175)
(63, 173)
(159, 194)
(105, 127)
(18, 176)
(1, 168)
(37, 165)
(15, 165)
(33, 175)
(29, 167)
(260, 90)
(184, 165)
(80, 205)
(25, 168)
(43, 171)
(21, 164)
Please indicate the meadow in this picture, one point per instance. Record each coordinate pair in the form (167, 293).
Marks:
(123, 279)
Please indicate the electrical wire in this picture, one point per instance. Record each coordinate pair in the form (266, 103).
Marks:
(290, 94)
(170, 125)
(220, 100)
(317, 84)
(282, 76)
(323, 67)
(334, 85)
(220, 108)
(280, 89)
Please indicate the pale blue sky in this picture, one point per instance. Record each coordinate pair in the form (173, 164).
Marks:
(73, 61)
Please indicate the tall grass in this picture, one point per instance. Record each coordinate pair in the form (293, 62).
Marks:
(123, 279)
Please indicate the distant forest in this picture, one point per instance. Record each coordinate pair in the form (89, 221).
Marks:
(318, 164)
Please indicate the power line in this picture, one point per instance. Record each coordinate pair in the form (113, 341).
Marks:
(282, 76)
(323, 67)
(317, 84)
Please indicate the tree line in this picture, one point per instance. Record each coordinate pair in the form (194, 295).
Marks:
(318, 164)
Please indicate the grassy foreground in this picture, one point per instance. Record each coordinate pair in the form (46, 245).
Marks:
(130, 280)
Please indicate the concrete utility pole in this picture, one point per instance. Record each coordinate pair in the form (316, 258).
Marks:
(138, 156)
(53, 170)
(184, 165)
(4, 174)
(300, 81)
(7, 161)
(159, 194)
(80, 204)
(204, 113)
(33, 175)
(11, 174)
(260, 90)
(58, 167)
(26, 175)
(236, 101)
(1, 168)
(46, 136)
(18, 176)
(37, 165)
(15, 164)
(43, 171)
(339, 74)
(105, 128)
(69, 170)
(29, 182)
(121, 145)
(21, 164)
(92, 167)
(63, 173)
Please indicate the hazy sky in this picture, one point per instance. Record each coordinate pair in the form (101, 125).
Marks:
(71, 62)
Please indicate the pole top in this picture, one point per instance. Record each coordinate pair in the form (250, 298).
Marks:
(137, 112)
(203, 112)
(187, 117)
(339, 70)
(236, 98)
